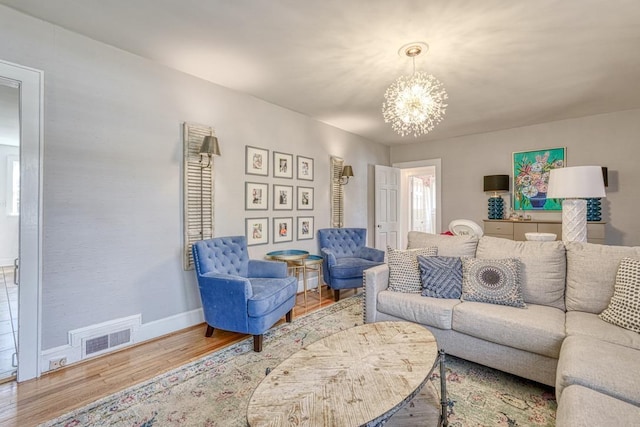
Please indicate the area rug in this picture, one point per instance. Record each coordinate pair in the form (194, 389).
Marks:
(215, 390)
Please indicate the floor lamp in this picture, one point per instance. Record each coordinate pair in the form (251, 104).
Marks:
(574, 185)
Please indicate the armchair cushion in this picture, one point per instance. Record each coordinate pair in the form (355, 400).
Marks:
(371, 254)
(267, 269)
(346, 268)
(268, 294)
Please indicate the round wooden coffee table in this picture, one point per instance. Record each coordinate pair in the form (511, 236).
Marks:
(357, 377)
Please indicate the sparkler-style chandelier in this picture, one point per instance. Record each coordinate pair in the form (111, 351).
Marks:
(414, 104)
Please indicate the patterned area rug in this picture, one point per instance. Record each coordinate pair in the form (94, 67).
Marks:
(215, 390)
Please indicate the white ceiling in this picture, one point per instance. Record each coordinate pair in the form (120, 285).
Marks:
(504, 63)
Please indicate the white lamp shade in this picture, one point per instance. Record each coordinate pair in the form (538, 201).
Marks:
(579, 182)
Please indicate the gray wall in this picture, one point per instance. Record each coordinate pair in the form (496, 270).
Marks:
(608, 140)
(113, 178)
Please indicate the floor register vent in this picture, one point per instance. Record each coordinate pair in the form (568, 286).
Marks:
(93, 346)
(97, 339)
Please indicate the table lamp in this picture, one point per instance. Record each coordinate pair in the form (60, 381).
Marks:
(574, 185)
(496, 184)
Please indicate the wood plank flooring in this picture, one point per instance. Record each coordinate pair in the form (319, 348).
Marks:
(32, 402)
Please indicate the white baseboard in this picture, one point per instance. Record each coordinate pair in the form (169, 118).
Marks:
(146, 331)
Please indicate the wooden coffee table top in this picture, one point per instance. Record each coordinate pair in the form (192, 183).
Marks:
(355, 377)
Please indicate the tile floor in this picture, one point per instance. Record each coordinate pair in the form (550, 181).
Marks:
(8, 323)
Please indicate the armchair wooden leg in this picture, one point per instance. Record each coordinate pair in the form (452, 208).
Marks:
(289, 316)
(257, 343)
(336, 294)
(209, 331)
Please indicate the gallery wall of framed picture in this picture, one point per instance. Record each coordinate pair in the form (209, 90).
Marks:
(264, 165)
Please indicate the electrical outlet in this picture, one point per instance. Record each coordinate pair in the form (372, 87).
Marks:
(57, 363)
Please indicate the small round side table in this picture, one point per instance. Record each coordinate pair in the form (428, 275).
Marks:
(314, 263)
(295, 262)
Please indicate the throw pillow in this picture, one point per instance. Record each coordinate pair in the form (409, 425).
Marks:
(624, 308)
(441, 276)
(494, 281)
(404, 273)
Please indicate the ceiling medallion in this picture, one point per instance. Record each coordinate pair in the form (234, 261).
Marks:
(414, 104)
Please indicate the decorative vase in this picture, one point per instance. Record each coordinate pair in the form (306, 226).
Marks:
(594, 210)
(496, 208)
(538, 201)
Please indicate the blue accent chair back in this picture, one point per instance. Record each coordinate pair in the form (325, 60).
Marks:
(239, 294)
(345, 257)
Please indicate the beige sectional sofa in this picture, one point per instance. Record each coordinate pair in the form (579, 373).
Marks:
(558, 339)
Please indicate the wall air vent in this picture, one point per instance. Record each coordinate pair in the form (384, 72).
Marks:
(100, 344)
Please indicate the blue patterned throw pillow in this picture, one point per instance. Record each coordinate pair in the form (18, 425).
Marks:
(441, 276)
(494, 281)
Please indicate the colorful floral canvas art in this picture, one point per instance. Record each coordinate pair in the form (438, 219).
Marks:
(531, 178)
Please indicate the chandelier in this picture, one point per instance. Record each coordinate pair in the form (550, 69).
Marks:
(414, 104)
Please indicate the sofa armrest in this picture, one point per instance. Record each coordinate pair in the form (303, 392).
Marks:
(371, 254)
(267, 269)
(376, 279)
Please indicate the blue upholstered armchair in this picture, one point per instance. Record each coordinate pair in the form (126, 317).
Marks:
(345, 257)
(239, 294)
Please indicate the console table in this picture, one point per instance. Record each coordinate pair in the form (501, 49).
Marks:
(515, 230)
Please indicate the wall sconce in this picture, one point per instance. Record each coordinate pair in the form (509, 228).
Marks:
(209, 148)
(347, 172)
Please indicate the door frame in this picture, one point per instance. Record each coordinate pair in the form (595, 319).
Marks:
(437, 163)
(31, 83)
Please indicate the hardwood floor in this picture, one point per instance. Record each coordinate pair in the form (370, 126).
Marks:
(32, 402)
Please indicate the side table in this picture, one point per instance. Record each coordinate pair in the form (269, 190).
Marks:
(295, 260)
(314, 263)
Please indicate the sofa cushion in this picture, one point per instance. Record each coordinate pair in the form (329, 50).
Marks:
(589, 324)
(492, 281)
(538, 329)
(624, 308)
(427, 311)
(543, 271)
(582, 407)
(404, 273)
(441, 276)
(591, 274)
(447, 245)
(601, 366)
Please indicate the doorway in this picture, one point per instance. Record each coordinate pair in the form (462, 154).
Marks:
(420, 202)
(9, 226)
(25, 201)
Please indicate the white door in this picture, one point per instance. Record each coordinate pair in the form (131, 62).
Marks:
(387, 199)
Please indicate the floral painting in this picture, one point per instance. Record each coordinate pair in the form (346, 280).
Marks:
(531, 178)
